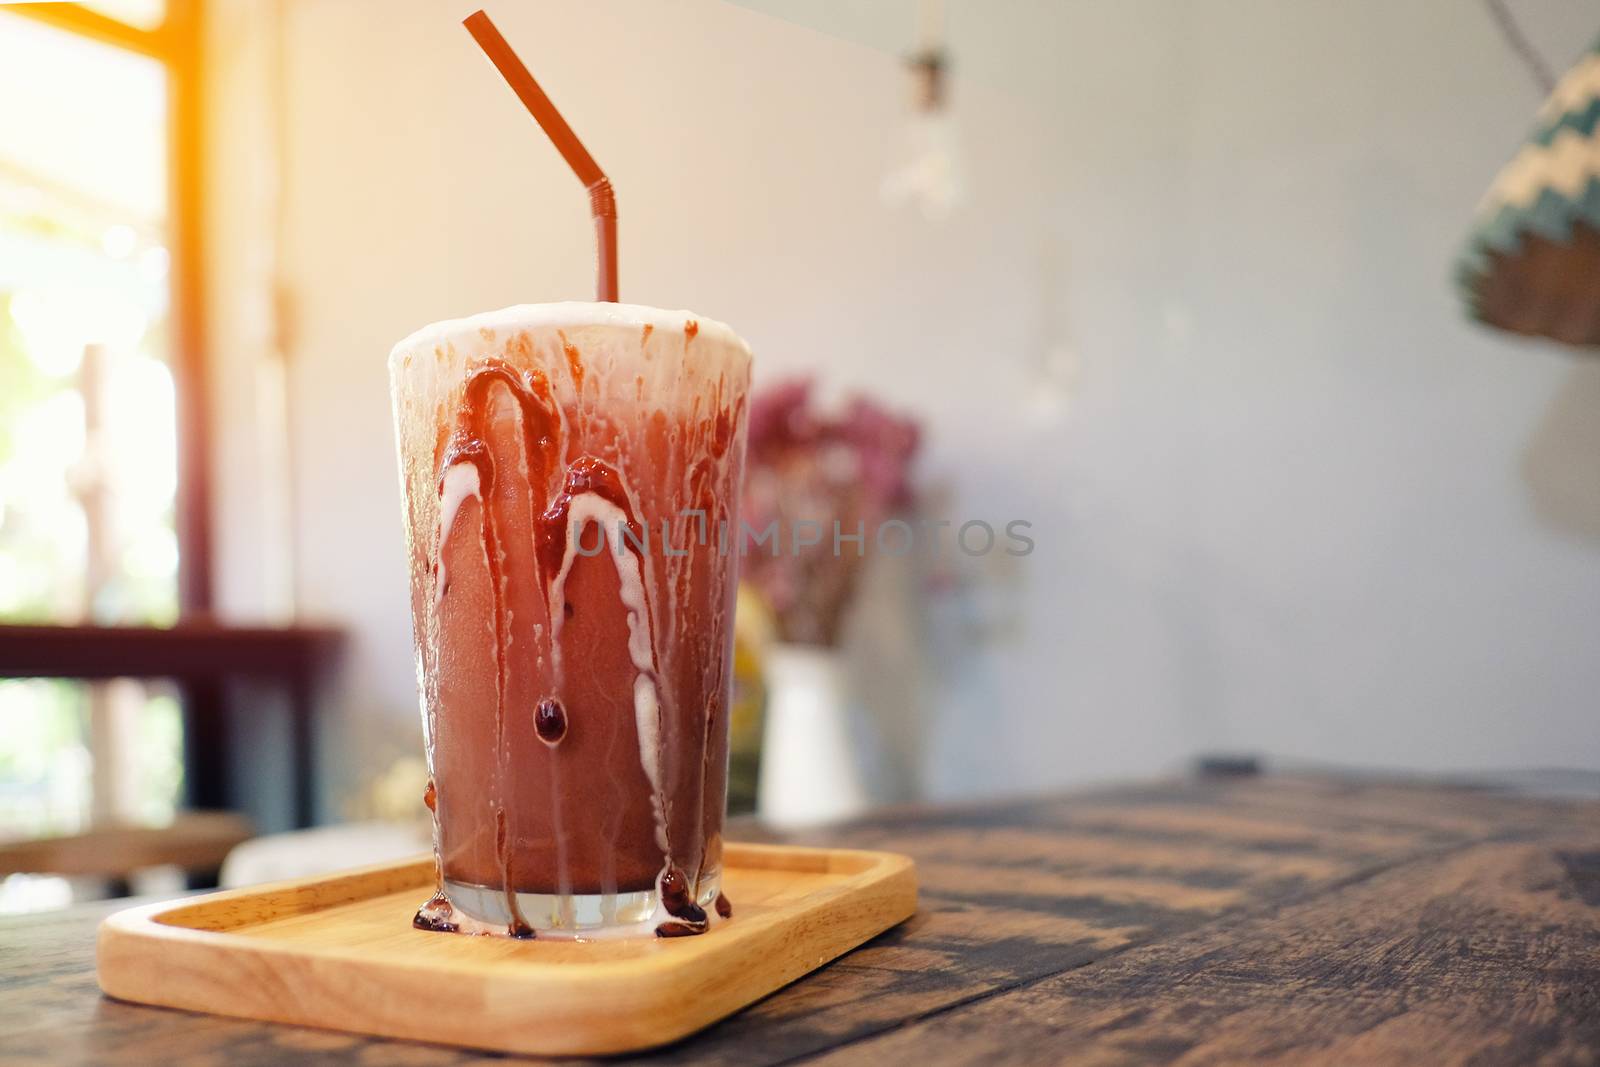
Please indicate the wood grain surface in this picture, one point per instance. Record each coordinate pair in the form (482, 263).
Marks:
(1252, 920)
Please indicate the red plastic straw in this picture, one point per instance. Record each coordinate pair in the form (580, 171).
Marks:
(602, 202)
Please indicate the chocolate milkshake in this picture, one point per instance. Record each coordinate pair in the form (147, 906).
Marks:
(570, 475)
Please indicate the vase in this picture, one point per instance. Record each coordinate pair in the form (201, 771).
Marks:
(810, 759)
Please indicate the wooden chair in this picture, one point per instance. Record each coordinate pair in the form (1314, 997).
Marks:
(195, 841)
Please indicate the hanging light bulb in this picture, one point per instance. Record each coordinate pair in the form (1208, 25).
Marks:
(924, 161)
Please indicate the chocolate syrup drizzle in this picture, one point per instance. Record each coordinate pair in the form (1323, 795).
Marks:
(543, 428)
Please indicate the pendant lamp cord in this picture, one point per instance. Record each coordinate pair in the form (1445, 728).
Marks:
(1519, 43)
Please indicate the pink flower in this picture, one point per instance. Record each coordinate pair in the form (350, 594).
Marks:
(803, 466)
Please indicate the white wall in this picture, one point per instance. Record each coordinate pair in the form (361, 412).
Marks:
(1284, 509)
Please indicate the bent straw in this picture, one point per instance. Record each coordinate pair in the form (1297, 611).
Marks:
(602, 202)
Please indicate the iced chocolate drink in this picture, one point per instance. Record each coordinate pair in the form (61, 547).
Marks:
(570, 475)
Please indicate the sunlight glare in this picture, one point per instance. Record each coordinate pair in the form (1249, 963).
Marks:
(57, 321)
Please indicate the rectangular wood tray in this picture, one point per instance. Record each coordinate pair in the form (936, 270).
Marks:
(339, 952)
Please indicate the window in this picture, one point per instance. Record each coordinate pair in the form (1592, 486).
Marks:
(91, 357)
(142, 14)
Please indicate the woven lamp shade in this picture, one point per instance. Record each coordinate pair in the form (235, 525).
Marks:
(1532, 261)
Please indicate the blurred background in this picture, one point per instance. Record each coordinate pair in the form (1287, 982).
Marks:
(1170, 282)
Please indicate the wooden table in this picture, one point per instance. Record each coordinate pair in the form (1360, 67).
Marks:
(1284, 920)
(200, 655)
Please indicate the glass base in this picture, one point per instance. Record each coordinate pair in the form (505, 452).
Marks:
(577, 915)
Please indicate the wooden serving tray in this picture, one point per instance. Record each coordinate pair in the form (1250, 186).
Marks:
(339, 951)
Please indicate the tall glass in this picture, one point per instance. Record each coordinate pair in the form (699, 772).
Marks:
(570, 475)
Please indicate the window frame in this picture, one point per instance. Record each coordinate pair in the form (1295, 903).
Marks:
(176, 44)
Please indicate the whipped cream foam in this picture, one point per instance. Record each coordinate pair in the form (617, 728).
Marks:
(675, 354)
